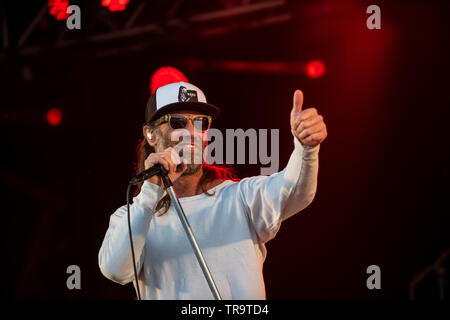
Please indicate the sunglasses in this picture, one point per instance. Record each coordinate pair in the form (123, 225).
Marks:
(178, 121)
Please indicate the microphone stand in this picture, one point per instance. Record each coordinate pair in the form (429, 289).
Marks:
(439, 269)
(159, 169)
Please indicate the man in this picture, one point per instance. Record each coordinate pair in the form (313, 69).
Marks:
(232, 220)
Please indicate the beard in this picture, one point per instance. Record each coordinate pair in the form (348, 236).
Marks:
(191, 169)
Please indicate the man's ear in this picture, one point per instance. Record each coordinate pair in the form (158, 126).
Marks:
(149, 135)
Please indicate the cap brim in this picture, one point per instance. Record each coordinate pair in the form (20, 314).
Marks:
(205, 108)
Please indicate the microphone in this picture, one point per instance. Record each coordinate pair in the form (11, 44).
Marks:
(157, 169)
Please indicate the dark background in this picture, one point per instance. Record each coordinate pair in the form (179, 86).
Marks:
(383, 186)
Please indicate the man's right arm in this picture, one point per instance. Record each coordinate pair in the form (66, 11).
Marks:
(114, 257)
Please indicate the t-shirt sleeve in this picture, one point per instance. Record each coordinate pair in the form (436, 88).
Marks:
(268, 200)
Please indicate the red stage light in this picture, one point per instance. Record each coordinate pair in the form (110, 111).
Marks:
(315, 69)
(54, 116)
(58, 9)
(115, 5)
(165, 75)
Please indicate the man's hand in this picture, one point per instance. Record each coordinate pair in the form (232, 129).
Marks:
(170, 160)
(307, 125)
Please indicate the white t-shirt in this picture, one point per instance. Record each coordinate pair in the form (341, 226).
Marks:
(231, 228)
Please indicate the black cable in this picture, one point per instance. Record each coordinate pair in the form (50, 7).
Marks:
(131, 242)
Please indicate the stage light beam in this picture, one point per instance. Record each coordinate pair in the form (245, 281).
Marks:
(54, 117)
(58, 8)
(315, 69)
(115, 5)
(165, 75)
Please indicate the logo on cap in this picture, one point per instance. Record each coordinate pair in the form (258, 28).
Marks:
(185, 95)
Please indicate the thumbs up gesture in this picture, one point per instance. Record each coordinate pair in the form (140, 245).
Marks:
(307, 125)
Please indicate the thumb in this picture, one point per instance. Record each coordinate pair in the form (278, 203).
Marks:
(298, 101)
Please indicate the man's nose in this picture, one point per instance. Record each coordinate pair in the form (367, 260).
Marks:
(195, 134)
(190, 126)
(192, 129)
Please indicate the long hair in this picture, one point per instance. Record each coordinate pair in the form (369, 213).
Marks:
(210, 173)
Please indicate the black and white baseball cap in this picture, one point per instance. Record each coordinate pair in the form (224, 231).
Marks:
(178, 96)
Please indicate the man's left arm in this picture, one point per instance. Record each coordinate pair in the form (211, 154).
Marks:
(271, 199)
(309, 131)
